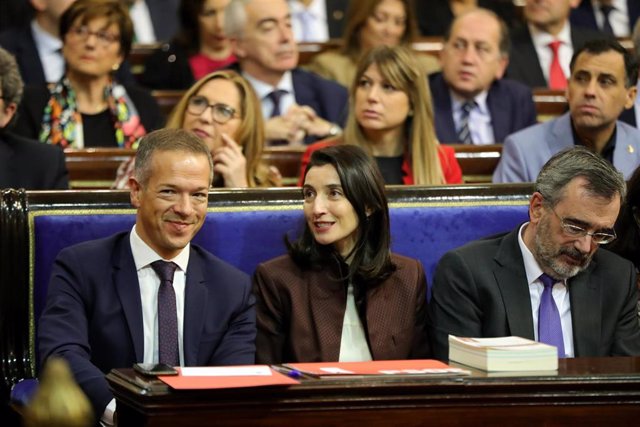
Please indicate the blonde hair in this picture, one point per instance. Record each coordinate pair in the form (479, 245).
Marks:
(250, 132)
(398, 66)
(358, 13)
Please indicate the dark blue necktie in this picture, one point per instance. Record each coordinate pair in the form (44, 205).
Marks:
(606, 24)
(275, 97)
(167, 314)
(464, 133)
(549, 325)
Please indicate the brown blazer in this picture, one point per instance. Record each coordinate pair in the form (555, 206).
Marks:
(300, 313)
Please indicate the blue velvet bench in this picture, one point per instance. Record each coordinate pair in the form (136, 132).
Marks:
(242, 227)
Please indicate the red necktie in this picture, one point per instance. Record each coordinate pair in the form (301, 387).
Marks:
(557, 79)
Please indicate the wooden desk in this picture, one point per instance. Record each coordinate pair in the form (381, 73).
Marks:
(585, 392)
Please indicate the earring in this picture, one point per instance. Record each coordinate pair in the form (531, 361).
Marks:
(115, 67)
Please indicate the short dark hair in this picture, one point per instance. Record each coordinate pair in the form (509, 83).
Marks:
(11, 83)
(167, 140)
(504, 43)
(114, 10)
(603, 180)
(363, 186)
(600, 46)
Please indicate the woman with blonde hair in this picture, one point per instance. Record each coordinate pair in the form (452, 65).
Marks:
(369, 24)
(223, 110)
(391, 116)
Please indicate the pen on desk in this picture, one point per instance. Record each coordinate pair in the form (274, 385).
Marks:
(290, 372)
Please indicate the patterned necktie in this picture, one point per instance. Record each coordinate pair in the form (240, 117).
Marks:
(275, 97)
(549, 325)
(557, 79)
(606, 24)
(464, 133)
(167, 314)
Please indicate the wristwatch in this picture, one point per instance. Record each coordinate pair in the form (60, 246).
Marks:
(334, 130)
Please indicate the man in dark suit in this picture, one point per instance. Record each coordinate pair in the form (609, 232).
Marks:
(541, 50)
(111, 302)
(470, 91)
(298, 105)
(24, 163)
(621, 14)
(547, 280)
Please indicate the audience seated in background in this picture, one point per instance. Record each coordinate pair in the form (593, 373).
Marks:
(392, 119)
(613, 17)
(317, 20)
(37, 45)
(546, 280)
(340, 294)
(299, 106)
(88, 107)
(154, 20)
(542, 49)
(148, 295)
(473, 104)
(24, 163)
(223, 110)
(370, 23)
(199, 48)
(602, 84)
(435, 19)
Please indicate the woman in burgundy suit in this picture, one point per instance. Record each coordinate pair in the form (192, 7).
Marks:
(340, 294)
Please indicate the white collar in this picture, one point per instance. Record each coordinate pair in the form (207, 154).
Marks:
(143, 255)
(317, 8)
(45, 42)
(541, 39)
(263, 89)
(480, 100)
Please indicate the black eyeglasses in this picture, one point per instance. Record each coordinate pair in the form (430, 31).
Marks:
(573, 230)
(104, 38)
(221, 113)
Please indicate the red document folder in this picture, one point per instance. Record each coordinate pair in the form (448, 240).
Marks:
(378, 367)
(183, 382)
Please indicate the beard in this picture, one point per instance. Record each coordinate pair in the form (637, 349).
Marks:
(549, 256)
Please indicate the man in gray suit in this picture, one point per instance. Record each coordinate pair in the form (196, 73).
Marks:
(547, 280)
(602, 84)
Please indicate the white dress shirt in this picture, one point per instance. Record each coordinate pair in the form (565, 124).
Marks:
(50, 52)
(309, 23)
(264, 89)
(149, 283)
(353, 342)
(142, 24)
(480, 124)
(541, 42)
(560, 295)
(618, 17)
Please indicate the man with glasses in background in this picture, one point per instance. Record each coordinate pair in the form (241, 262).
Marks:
(602, 85)
(547, 280)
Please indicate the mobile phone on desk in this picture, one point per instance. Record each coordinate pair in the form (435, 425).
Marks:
(154, 369)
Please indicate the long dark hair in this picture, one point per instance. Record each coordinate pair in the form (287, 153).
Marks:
(363, 186)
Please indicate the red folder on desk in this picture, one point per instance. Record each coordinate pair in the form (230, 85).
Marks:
(378, 367)
(227, 377)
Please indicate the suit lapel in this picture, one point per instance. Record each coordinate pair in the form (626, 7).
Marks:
(562, 135)
(445, 127)
(529, 61)
(584, 294)
(195, 298)
(327, 312)
(303, 92)
(625, 155)
(380, 315)
(499, 110)
(512, 282)
(125, 281)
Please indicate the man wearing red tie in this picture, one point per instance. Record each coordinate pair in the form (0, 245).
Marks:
(541, 50)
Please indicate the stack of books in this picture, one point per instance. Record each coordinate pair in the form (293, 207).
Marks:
(503, 354)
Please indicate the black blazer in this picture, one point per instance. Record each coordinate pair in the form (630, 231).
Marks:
(480, 290)
(35, 98)
(31, 165)
(524, 65)
(435, 16)
(168, 68)
(336, 11)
